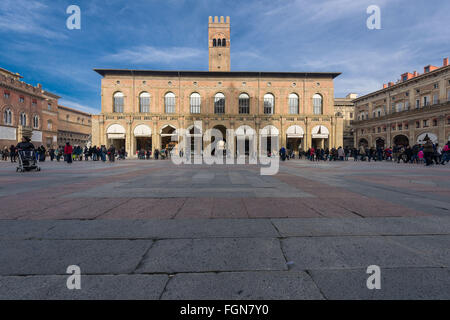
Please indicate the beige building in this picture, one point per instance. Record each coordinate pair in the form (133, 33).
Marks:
(145, 108)
(406, 112)
(346, 108)
(26, 110)
(74, 126)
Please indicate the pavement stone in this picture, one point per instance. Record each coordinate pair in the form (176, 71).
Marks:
(93, 287)
(52, 257)
(214, 254)
(265, 285)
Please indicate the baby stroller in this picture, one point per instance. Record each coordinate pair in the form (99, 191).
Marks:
(27, 161)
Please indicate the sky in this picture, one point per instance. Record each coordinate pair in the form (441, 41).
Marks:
(266, 35)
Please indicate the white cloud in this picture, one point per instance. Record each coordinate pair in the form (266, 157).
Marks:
(149, 54)
(27, 17)
(78, 106)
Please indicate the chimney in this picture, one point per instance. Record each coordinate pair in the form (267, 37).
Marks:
(384, 85)
(390, 84)
(445, 62)
(415, 74)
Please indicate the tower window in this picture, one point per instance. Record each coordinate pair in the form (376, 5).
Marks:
(219, 42)
(224, 42)
(214, 42)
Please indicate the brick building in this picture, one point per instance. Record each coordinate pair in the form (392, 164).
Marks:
(406, 112)
(26, 109)
(345, 108)
(31, 111)
(145, 108)
(74, 126)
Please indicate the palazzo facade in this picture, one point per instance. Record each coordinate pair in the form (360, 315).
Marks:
(144, 109)
(407, 112)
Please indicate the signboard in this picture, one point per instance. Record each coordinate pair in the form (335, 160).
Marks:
(8, 133)
(36, 136)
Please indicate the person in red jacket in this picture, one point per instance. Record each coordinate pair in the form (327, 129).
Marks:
(68, 152)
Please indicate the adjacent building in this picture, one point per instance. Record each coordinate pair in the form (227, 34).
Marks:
(74, 126)
(28, 110)
(408, 112)
(143, 109)
(344, 107)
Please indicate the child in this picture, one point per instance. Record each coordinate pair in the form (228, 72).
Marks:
(420, 154)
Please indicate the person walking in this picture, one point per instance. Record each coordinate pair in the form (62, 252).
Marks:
(68, 150)
(446, 153)
(428, 151)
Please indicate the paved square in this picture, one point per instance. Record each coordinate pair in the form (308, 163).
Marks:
(143, 229)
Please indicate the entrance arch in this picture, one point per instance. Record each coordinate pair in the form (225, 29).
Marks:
(401, 140)
(245, 141)
(143, 135)
(168, 132)
(379, 142)
(320, 135)
(268, 140)
(116, 136)
(221, 145)
(194, 140)
(294, 137)
(422, 138)
(363, 142)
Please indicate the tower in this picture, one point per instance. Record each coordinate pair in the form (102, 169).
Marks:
(219, 44)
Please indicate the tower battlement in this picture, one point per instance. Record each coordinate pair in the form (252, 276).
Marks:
(219, 43)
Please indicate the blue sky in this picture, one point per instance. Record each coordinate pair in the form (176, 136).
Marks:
(267, 35)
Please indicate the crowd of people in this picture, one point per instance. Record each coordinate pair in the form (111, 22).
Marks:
(428, 153)
(67, 153)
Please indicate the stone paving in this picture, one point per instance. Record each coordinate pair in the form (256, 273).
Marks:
(154, 230)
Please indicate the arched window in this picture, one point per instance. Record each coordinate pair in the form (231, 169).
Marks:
(118, 102)
(49, 124)
(219, 42)
(7, 116)
(195, 102)
(144, 102)
(293, 104)
(23, 119)
(224, 42)
(169, 102)
(269, 103)
(35, 122)
(214, 42)
(317, 104)
(244, 103)
(219, 103)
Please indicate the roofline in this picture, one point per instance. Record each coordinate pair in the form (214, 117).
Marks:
(179, 73)
(396, 85)
(74, 110)
(11, 73)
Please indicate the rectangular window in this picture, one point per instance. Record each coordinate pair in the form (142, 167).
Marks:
(144, 103)
(21, 99)
(195, 104)
(435, 99)
(219, 105)
(34, 102)
(434, 122)
(417, 104)
(49, 106)
(400, 127)
(425, 123)
(417, 124)
(170, 104)
(244, 105)
(407, 105)
(6, 94)
(425, 101)
(293, 106)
